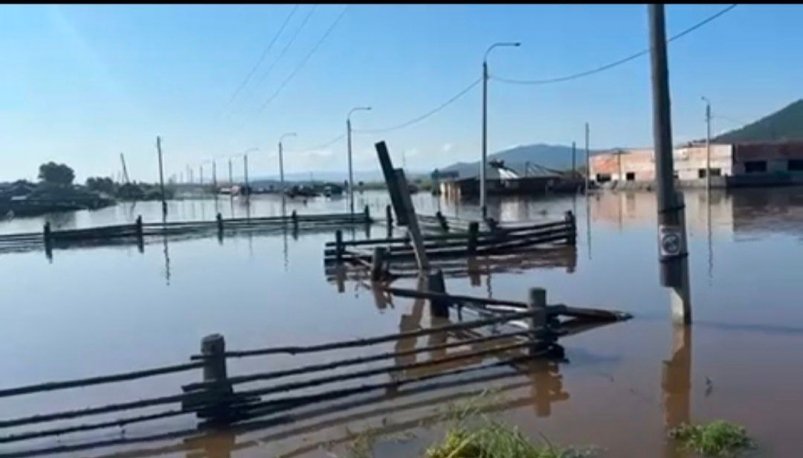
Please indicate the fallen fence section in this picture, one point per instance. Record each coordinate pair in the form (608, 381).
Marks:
(393, 257)
(507, 331)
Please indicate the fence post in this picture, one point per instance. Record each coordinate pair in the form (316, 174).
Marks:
(378, 264)
(442, 221)
(570, 219)
(213, 348)
(473, 230)
(46, 233)
(389, 218)
(220, 223)
(367, 215)
(538, 319)
(294, 219)
(48, 241)
(140, 233)
(339, 246)
(437, 307)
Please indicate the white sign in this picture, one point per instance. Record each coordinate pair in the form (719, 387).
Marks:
(670, 239)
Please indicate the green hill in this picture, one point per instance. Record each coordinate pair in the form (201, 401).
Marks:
(785, 124)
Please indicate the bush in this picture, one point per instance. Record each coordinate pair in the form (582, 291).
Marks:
(716, 439)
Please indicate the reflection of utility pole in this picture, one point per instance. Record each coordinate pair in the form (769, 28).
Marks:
(673, 256)
(676, 381)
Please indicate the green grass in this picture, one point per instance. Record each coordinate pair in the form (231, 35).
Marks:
(716, 439)
(495, 440)
(472, 434)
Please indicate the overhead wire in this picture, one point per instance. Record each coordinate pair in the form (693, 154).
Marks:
(262, 56)
(287, 45)
(615, 63)
(426, 115)
(305, 59)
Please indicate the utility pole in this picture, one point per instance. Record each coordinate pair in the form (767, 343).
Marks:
(231, 176)
(483, 165)
(673, 256)
(161, 174)
(707, 144)
(247, 187)
(214, 175)
(201, 173)
(574, 160)
(588, 160)
(351, 173)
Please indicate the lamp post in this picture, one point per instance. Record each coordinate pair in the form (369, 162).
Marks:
(483, 189)
(351, 172)
(707, 143)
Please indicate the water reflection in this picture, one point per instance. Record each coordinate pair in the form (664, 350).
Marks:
(676, 384)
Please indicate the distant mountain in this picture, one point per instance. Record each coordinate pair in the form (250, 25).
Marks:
(784, 124)
(558, 157)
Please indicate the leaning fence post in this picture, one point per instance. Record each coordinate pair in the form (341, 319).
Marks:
(213, 348)
(473, 230)
(378, 263)
(571, 221)
(437, 307)
(339, 246)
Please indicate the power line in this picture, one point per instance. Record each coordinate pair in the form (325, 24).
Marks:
(424, 116)
(288, 44)
(618, 62)
(262, 57)
(305, 59)
(325, 145)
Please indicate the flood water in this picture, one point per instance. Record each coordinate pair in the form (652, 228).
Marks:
(101, 310)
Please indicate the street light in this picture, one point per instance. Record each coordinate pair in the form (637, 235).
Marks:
(281, 161)
(707, 142)
(351, 173)
(485, 122)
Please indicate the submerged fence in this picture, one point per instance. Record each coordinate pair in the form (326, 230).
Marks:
(530, 329)
(139, 232)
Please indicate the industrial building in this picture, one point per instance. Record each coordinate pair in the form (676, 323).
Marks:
(731, 165)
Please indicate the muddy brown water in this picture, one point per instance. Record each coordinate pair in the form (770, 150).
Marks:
(101, 310)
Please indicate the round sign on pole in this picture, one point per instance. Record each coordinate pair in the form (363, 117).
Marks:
(670, 240)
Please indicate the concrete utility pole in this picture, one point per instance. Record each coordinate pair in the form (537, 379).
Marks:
(588, 160)
(231, 176)
(161, 174)
(201, 174)
(483, 165)
(574, 160)
(673, 256)
(214, 175)
(348, 140)
(281, 167)
(707, 143)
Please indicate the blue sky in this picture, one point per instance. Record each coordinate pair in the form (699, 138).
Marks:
(83, 83)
